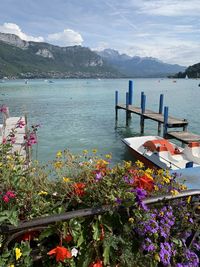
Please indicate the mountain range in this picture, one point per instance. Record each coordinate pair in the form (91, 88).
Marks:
(22, 59)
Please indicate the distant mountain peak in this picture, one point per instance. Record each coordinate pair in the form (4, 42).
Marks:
(13, 39)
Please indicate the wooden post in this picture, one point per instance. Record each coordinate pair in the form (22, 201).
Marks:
(127, 104)
(116, 103)
(160, 112)
(165, 121)
(143, 103)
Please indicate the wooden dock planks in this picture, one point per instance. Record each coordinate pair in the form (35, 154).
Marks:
(185, 137)
(149, 114)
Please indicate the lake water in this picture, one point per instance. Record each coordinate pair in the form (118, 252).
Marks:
(80, 114)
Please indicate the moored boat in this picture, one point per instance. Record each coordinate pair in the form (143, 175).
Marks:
(155, 151)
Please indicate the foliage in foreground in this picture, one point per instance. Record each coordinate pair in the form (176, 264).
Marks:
(134, 235)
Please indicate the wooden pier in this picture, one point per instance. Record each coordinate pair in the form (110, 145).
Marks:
(11, 128)
(161, 118)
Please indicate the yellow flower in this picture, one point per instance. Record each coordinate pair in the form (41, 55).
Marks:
(131, 220)
(189, 199)
(183, 187)
(18, 253)
(58, 164)
(160, 172)
(108, 156)
(157, 258)
(94, 151)
(156, 188)
(66, 179)
(85, 151)
(174, 192)
(44, 193)
(148, 175)
(59, 154)
(166, 180)
(11, 265)
(139, 164)
(149, 171)
(127, 164)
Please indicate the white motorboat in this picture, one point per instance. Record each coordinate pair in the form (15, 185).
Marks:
(155, 151)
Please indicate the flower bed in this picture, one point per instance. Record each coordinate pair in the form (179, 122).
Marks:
(130, 233)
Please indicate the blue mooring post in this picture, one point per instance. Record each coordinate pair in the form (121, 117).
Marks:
(165, 121)
(143, 104)
(127, 103)
(142, 93)
(116, 103)
(160, 111)
(130, 91)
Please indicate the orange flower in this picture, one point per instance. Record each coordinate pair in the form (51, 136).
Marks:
(144, 182)
(61, 253)
(98, 263)
(79, 189)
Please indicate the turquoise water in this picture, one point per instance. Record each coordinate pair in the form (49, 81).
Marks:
(80, 114)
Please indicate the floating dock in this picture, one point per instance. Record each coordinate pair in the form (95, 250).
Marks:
(161, 118)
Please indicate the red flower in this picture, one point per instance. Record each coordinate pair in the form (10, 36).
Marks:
(102, 232)
(144, 182)
(79, 189)
(98, 263)
(29, 236)
(61, 253)
(68, 238)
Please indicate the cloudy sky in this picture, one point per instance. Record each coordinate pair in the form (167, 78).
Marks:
(165, 29)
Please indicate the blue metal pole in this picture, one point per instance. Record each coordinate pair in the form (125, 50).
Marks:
(142, 93)
(116, 103)
(143, 103)
(161, 104)
(127, 99)
(116, 98)
(130, 91)
(166, 111)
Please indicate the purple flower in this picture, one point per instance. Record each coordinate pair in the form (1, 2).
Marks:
(140, 196)
(98, 176)
(165, 253)
(151, 226)
(118, 201)
(192, 258)
(148, 245)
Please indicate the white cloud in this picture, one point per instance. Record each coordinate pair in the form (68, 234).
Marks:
(66, 38)
(15, 29)
(101, 46)
(169, 7)
(174, 52)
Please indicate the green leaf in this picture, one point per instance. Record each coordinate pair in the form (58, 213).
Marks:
(96, 231)
(46, 233)
(106, 255)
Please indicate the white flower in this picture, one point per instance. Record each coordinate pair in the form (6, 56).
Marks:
(74, 252)
(55, 194)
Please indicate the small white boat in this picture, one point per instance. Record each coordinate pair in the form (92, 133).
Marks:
(155, 151)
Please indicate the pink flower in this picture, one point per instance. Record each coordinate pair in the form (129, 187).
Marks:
(4, 140)
(13, 140)
(6, 199)
(31, 139)
(11, 194)
(20, 124)
(3, 109)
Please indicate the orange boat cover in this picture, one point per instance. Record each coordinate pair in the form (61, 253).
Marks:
(159, 145)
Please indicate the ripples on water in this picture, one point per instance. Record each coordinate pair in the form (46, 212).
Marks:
(79, 114)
